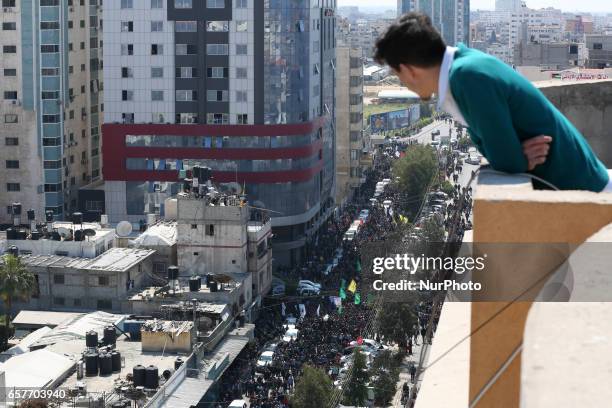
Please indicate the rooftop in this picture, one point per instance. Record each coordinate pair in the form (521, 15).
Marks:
(40, 318)
(160, 234)
(50, 368)
(115, 259)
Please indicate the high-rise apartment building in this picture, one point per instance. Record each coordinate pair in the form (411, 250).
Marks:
(350, 139)
(245, 87)
(450, 17)
(508, 5)
(50, 103)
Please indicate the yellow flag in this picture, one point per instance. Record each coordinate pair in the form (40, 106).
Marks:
(352, 287)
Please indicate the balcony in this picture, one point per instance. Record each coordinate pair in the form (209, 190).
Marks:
(540, 337)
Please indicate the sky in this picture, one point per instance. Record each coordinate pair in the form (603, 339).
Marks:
(565, 5)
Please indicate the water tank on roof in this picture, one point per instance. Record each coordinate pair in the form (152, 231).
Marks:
(35, 236)
(11, 233)
(91, 364)
(78, 235)
(177, 363)
(173, 272)
(195, 283)
(91, 339)
(13, 250)
(116, 361)
(213, 286)
(22, 234)
(16, 208)
(110, 336)
(209, 279)
(138, 374)
(77, 218)
(49, 216)
(151, 377)
(106, 364)
(31, 215)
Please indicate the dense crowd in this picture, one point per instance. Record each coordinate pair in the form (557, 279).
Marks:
(324, 332)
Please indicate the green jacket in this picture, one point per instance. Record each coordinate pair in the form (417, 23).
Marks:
(502, 109)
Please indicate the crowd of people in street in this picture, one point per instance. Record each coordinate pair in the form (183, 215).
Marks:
(325, 332)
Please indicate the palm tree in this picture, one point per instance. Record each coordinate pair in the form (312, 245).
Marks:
(16, 282)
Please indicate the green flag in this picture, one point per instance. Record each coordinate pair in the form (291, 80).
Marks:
(357, 298)
(358, 266)
(340, 310)
(342, 284)
(342, 294)
(369, 299)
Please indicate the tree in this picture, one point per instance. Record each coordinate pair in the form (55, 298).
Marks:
(384, 387)
(464, 143)
(16, 282)
(357, 389)
(397, 320)
(447, 187)
(313, 389)
(415, 172)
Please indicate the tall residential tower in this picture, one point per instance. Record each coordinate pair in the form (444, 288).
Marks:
(245, 87)
(450, 17)
(50, 103)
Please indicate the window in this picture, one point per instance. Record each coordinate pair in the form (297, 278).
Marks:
(127, 118)
(186, 49)
(157, 26)
(53, 188)
(9, 49)
(58, 279)
(13, 187)
(183, 4)
(241, 26)
(103, 281)
(157, 72)
(11, 141)
(217, 26)
(355, 135)
(315, 69)
(11, 26)
(156, 4)
(127, 49)
(127, 4)
(127, 95)
(215, 3)
(241, 96)
(241, 73)
(127, 26)
(159, 268)
(49, 94)
(76, 302)
(194, 226)
(216, 72)
(70, 24)
(157, 96)
(186, 95)
(82, 23)
(210, 230)
(10, 95)
(186, 118)
(213, 95)
(186, 72)
(49, 71)
(242, 119)
(9, 3)
(241, 49)
(597, 46)
(59, 301)
(49, 25)
(12, 164)
(186, 26)
(216, 49)
(104, 304)
(52, 164)
(157, 49)
(126, 72)
(11, 118)
(354, 154)
(241, 3)
(217, 118)
(51, 118)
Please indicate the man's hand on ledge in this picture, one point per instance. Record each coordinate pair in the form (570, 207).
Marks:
(536, 150)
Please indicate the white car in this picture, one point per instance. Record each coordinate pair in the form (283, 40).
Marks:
(238, 404)
(435, 143)
(387, 203)
(305, 282)
(265, 359)
(308, 291)
(349, 235)
(290, 334)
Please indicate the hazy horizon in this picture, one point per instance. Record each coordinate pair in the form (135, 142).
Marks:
(595, 6)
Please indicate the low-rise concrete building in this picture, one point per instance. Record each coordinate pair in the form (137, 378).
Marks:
(83, 284)
(160, 237)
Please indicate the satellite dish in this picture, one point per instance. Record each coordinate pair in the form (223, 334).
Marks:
(64, 232)
(89, 232)
(123, 229)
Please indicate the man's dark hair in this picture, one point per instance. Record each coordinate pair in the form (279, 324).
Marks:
(412, 40)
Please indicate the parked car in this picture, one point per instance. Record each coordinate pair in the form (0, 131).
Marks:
(238, 404)
(291, 334)
(265, 359)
